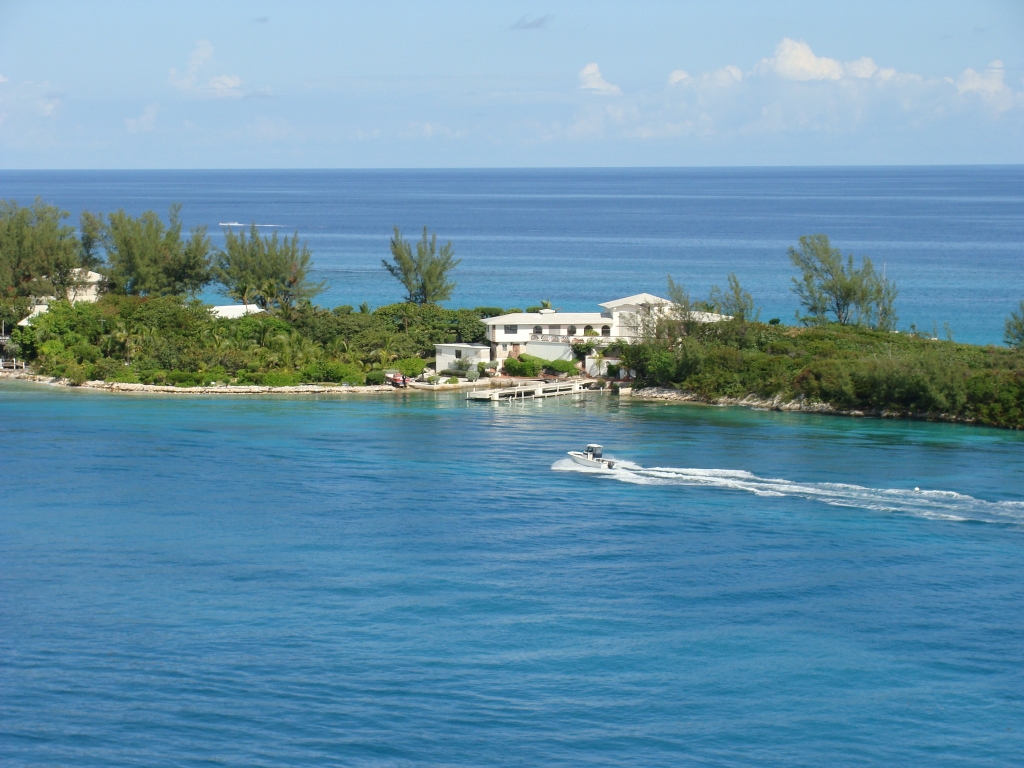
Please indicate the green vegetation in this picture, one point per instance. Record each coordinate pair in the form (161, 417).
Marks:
(264, 271)
(145, 257)
(147, 327)
(171, 340)
(40, 255)
(828, 289)
(850, 366)
(528, 365)
(424, 276)
(1014, 335)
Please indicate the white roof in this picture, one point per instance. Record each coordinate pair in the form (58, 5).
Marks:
(557, 318)
(636, 300)
(234, 311)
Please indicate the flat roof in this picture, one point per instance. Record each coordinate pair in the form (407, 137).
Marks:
(554, 318)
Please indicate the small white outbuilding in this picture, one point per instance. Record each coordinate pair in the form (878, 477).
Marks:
(449, 356)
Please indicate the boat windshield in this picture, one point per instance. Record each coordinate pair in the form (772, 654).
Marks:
(594, 450)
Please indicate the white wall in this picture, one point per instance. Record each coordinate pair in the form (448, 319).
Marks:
(548, 350)
(445, 354)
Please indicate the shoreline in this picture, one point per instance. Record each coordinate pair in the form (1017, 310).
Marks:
(645, 394)
(801, 405)
(255, 389)
(225, 389)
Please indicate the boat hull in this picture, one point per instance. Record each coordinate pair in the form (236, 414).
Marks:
(583, 460)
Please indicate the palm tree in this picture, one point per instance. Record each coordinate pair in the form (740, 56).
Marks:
(384, 351)
(339, 349)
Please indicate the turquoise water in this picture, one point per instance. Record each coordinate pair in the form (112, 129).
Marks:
(415, 580)
(952, 238)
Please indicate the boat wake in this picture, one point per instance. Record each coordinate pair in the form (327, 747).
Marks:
(937, 505)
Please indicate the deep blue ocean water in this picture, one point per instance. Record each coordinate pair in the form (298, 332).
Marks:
(416, 580)
(952, 238)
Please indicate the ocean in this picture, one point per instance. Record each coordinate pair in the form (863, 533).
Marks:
(413, 579)
(419, 580)
(951, 238)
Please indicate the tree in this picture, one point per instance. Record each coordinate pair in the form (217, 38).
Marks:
(425, 275)
(827, 286)
(1014, 336)
(39, 254)
(734, 301)
(271, 272)
(145, 257)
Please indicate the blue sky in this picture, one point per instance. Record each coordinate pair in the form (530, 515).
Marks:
(474, 84)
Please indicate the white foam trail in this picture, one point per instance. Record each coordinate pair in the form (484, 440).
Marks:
(937, 505)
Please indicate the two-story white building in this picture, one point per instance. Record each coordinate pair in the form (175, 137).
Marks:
(549, 334)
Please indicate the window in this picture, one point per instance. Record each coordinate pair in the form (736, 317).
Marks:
(572, 330)
(606, 330)
(554, 330)
(511, 330)
(537, 329)
(458, 354)
(588, 330)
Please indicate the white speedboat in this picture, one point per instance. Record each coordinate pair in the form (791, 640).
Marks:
(591, 457)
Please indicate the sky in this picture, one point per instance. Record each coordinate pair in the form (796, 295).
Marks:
(509, 84)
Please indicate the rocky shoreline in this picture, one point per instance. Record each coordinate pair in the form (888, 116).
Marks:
(224, 389)
(777, 403)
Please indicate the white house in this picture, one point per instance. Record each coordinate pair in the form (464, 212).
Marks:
(87, 289)
(450, 355)
(234, 311)
(549, 334)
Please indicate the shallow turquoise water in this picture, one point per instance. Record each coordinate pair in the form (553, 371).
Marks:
(400, 581)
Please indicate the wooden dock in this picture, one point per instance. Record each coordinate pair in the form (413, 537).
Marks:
(532, 390)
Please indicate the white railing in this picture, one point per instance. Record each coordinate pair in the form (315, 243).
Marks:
(12, 365)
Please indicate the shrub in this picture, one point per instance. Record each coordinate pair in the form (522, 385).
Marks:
(519, 367)
(281, 379)
(331, 372)
(452, 380)
(411, 366)
(375, 378)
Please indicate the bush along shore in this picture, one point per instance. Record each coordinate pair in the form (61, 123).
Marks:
(171, 341)
(833, 369)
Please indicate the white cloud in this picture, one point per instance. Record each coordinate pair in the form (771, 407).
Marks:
(796, 61)
(3, 79)
(990, 80)
(143, 122)
(677, 76)
(723, 77)
(225, 86)
(220, 86)
(203, 53)
(428, 130)
(591, 80)
(863, 68)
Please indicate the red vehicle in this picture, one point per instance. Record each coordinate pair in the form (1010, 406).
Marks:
(396, 379)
